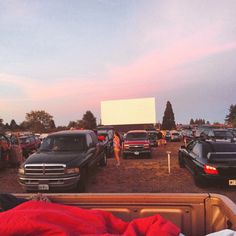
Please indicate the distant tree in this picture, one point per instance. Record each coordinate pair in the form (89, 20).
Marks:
(216, 123)
(72, 124)
(2, 126)
(88, 121)
(39, 121)
(197, 122)
(80, 124)
(52, 125)
(168, 121)
(13, 125)
(7, 126)
(191, 122)
(231, 117)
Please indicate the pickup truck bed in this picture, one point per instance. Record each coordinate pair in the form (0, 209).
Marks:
(195, 214)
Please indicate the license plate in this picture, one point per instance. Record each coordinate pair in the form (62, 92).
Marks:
(232, 182)
(43, 187)
(136, 153)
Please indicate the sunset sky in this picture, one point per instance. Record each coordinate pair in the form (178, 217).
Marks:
(65, 57)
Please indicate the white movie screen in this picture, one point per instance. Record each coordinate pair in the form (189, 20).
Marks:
(128, 111)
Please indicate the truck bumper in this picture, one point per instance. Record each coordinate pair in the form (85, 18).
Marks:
(137, 153)
(49, 184)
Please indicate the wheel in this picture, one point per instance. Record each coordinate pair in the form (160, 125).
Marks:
(25, 153)
(181, 161)
(103, 161)
(199, 181)
(81, 183)
(149, 156)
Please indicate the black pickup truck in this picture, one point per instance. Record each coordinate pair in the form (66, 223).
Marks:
(62, 162)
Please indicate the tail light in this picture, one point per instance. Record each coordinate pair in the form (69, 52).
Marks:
(210, 170)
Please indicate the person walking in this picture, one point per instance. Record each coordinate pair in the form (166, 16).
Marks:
(116, 147)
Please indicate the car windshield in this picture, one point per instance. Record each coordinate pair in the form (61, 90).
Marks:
(63, 143)
(136, 136)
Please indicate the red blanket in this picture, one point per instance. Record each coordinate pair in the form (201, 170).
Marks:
(44, 218)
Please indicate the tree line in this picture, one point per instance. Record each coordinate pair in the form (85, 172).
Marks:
(41, 121)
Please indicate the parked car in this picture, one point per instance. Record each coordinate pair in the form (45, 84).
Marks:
(62, 162)
(10, 151)
(153, 137)
(233, 131)
(187, 135)
(220, 134)
(136, 143)
(106, 136)
(175, 136)
(4, 150)
(167, 135)
(29, 144)
(210, 161)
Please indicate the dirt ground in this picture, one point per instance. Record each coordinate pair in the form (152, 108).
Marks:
(135, 175)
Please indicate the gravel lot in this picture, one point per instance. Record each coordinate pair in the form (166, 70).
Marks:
(134, 176)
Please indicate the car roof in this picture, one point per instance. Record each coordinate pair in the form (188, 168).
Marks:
(216, 143)
(70, 132)
(137, 131)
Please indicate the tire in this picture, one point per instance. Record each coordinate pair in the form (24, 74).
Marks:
(25, 153)
(103, 161)
(199, 181)
(181, 161)
(81, 187)
(149, 155)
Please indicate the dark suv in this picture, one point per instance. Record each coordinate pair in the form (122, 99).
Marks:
(137, 143)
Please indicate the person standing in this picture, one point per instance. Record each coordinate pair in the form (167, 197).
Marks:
(116, 147)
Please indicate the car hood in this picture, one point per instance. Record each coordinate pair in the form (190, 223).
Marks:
(54, 157)
(136, 142)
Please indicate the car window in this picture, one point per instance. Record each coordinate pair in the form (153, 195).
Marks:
(190, 146)
(89, 140)
(136, 136)
(197, 149)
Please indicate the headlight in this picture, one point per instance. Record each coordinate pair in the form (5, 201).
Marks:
(72, 170)
(146, 145)
(126, 146)
(21, 171)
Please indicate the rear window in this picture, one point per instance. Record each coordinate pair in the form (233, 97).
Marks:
(223, 134)
(175, 134)
(24, 140)
(219, 147)
(136, 136)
